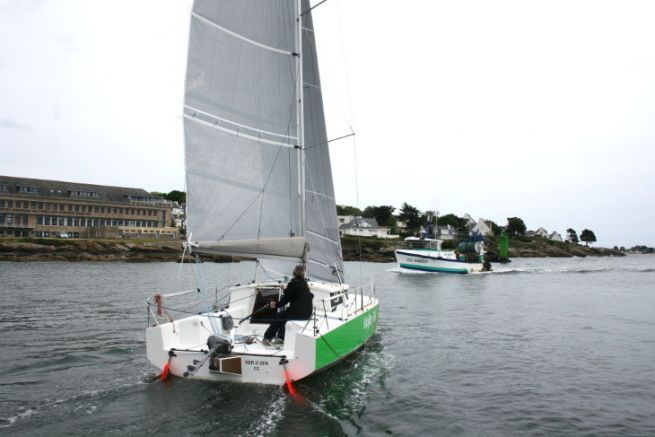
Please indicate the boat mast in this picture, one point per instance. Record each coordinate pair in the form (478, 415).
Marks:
(300, 117)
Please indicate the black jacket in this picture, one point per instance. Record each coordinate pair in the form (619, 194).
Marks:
(299, 298)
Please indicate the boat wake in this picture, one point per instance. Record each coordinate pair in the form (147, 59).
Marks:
(86, 402)
(570, 270)
(407, 271)
(6, 422)
(267, 422)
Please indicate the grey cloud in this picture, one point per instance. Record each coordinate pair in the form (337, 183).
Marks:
(11, 124)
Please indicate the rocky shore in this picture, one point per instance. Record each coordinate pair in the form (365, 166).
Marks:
(371, 249)
(51, 249)
(354, 249)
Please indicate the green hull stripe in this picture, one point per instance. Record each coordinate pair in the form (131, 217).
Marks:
(345, 339)
(432, 269)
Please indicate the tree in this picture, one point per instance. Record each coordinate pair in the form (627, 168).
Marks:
(451, 219)
(173, 196)
(572, 236)
(515, 226)
(383, 214)
(587, 236)
(495, 229)
(348, 210)
(411, 216)
(177, 196)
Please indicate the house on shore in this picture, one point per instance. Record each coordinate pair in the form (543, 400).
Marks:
(555, 236)
(482, 228)
(365, 227)
(447, 232)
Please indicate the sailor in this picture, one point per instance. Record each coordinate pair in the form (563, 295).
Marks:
(299, 298)
(486, 265)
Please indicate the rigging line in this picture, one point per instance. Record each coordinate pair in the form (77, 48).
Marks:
(351, 134)
(347, 115)
(315, 6)
(261, 193)
(345, 66)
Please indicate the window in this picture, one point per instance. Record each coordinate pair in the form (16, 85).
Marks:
(70, 208)
(2, 218)
(84, 194)
(26, 189)
(77, 208)
(2, 203)
(4, 187)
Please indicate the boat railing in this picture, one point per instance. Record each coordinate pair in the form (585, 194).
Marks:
(167, 307)
(353, 301)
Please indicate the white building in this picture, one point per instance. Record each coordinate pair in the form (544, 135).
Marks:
(555, 236)
(365, 227)
(343, 219)
(541, 232)
(177, 215)
(469, 220)
(482, 228)
(445, 232)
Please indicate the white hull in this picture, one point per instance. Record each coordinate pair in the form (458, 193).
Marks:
(437, 261)
(309, 346)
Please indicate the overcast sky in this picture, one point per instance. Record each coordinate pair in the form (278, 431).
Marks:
(541, 110)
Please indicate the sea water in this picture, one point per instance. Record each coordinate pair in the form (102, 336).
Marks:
(539, 347)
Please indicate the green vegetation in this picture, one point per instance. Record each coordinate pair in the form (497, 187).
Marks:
(587, 236)
(411, 217)
(383, 214)
(456, 222)
(173, 196)
(348, 210)
(572, 236)
(515, 226)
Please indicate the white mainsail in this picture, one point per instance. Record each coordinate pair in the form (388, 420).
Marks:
(242, 124)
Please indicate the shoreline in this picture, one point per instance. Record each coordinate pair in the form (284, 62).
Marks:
(354, 249)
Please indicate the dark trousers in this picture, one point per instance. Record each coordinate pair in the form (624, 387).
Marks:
(277, 325)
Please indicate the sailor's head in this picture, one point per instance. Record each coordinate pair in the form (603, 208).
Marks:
(299, 271)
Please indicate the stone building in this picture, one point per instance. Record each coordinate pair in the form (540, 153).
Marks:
(43, 208)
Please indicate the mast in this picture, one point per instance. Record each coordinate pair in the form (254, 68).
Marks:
(300, 117)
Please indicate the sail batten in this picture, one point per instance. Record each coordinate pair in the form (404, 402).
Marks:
(242, 37)
(224, 120)
(239, 133)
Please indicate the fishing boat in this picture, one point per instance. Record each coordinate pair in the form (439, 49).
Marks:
(259, 186)
(426, 255)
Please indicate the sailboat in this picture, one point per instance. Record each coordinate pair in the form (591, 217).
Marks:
(259, 185)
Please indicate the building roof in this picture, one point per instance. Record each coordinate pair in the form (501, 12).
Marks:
(73, 190)
(361, 223)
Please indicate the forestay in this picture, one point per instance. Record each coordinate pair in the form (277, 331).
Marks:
(241, 134)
